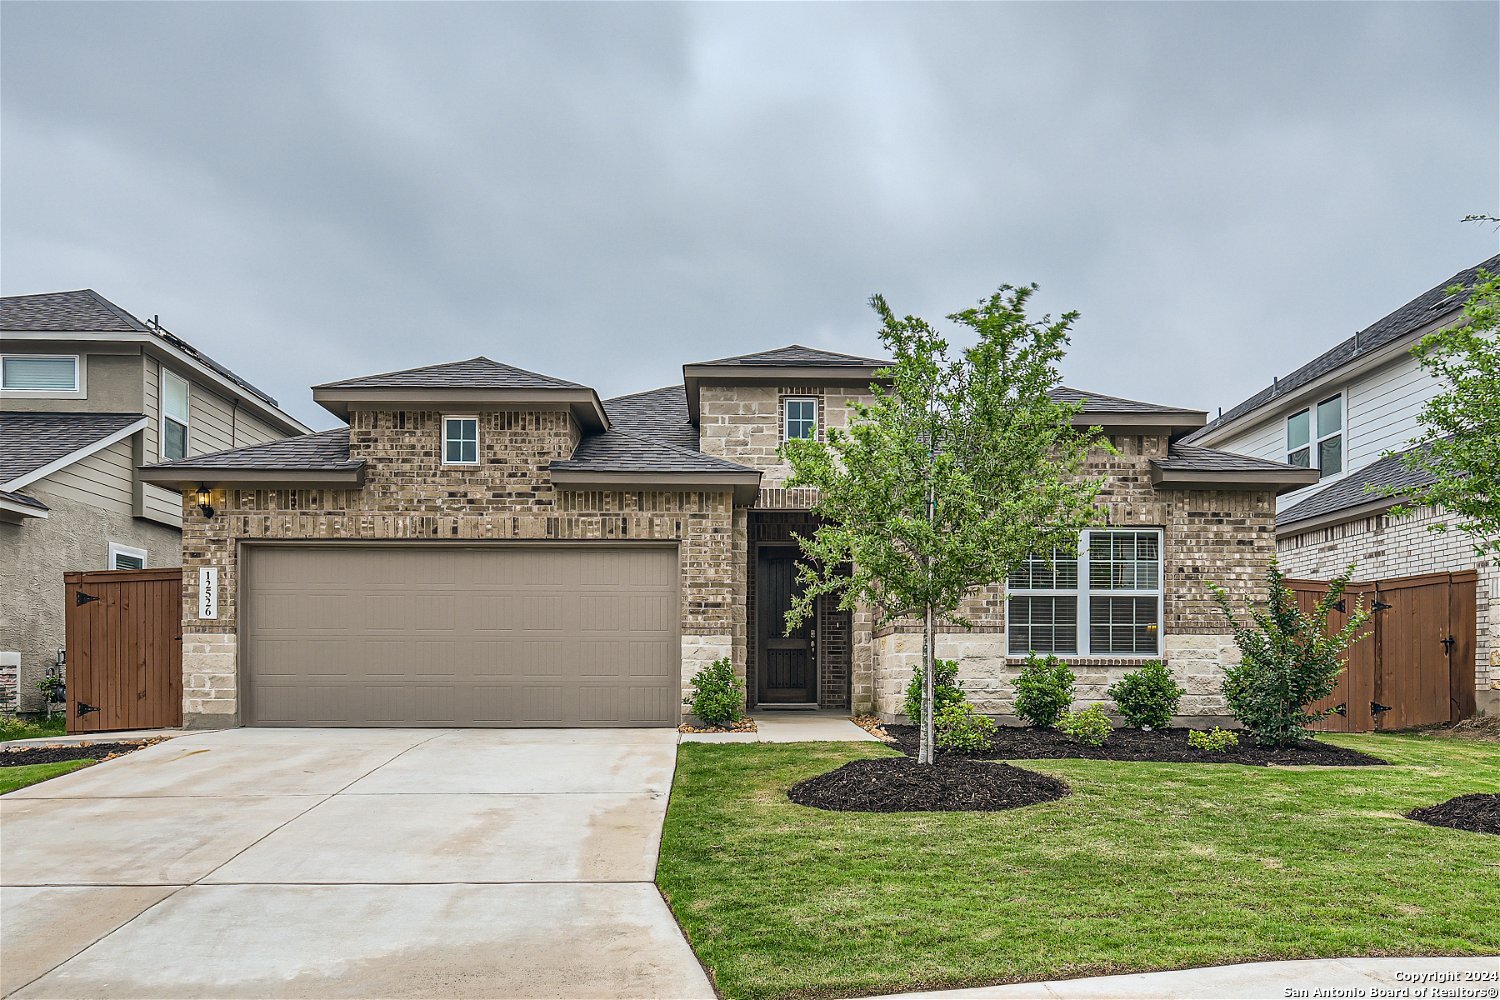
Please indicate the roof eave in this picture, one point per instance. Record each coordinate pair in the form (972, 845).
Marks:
(186, 477)
(1235, 479)
(1159, 422)
(744, 485)
(14, 513)
(694, 374)
(584, 404)
(1378, 505)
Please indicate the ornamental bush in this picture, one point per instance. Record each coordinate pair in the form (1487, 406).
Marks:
(947, 690)
(718, 694)
(1044, 690)
(962, 729)
(1287, 659)
(1215, 740)
(1147, 697)
(1090, 726)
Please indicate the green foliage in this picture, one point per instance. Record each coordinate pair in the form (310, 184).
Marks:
(955, 471)
(1462, 422)
(1147, 697)
(1287, 659)
(52, 686)
(1044, 690)
(13, 727)
(718, 695)
(1090, 726)
(947, 690)
(960, 728)
(1215, 740)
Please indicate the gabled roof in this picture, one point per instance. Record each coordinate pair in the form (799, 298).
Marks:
(321, 457)
(1100, 404)
(1190, 466)
(795, 355)
(34, 445)
(1352, 492)
(1431, 306)
(656, 414)
(475, 373)
(617, 460)
(80, 311)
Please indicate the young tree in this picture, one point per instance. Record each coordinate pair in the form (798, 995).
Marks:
(1462, 420)
(956, 471)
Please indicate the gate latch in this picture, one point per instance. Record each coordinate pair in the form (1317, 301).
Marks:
(80, 598)
(1448, 645)
(1376, 708)
(85, 709)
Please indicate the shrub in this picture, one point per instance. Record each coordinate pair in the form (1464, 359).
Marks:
(1287, 660)
(1147, 697)
(1044, 690)
(947, 690)
(960, 728)
(1216, 740)
(1090, 726)
(717, 694)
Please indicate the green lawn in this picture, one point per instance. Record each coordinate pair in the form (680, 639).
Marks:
(12, 778)
(1144, 866)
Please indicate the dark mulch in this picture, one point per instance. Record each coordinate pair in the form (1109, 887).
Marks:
(53, 754)
(900, 784)
(1165, 745)
(1479, 813)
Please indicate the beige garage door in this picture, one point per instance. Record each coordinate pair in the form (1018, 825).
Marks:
(430, 635)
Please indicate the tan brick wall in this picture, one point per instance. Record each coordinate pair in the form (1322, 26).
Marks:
(508, 497)
(1384, 548)
(742, 423)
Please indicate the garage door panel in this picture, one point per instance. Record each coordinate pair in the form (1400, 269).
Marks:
(423, 635)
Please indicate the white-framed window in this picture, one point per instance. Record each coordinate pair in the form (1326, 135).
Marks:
(1315, 437)
(40, 374)
(799, 418)
(460, 440)
(174, 416)
(1105, 602)
(126, 557)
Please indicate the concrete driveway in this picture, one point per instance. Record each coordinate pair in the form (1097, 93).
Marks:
(348, 863)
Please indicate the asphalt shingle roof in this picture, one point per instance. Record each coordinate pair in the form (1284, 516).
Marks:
(475, 373)
(796, 356)
(1419, 312)
(323, 450)
(29, 441)
(1196, 458)
(656, 415)
(617, 451)
(23, 500)
(1352, 490)
(1095, 402)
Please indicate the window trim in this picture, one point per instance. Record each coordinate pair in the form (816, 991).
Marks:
(1315, 440)
(116, 549)
(443, 453)
(1084, 592)
(79, 390)
(786, 417)
(164, 373)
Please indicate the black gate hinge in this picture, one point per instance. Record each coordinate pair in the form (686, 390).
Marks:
(1376, 708)
(80, 598)
(85, 709)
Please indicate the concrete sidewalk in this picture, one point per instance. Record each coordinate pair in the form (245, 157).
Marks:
(1358, 977)
(792, 727)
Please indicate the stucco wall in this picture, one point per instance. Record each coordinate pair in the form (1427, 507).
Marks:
(33, 557)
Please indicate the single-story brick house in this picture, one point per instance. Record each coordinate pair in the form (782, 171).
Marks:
(487, 546)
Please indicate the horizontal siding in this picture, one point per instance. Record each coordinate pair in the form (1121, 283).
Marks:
(1383, 409)
(164, 506)
(103, 479)
(252, 430)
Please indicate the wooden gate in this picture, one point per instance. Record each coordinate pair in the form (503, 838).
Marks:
(124, 659)
(1415, 667)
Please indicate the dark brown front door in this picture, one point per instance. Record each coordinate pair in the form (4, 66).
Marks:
(787, 667)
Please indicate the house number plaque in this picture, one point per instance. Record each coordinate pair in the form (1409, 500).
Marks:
(208, 593)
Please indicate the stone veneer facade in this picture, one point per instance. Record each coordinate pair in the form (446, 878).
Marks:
(409, 495)
(1384, 548)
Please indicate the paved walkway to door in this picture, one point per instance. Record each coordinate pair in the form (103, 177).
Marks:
(348, 863)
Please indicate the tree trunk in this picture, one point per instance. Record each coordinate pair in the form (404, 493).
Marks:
(927, 744)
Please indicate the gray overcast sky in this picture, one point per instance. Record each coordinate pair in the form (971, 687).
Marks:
(603, 192)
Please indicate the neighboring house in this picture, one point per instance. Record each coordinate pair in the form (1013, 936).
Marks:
(491, 547)
(1340, 414)
(88, 394)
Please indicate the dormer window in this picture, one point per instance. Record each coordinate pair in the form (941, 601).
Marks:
(460, 440)
(800, 420)
(1315, 437)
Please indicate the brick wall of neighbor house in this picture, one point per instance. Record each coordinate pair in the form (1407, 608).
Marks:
(1221, 536)
(408, 495)
(742, 423)
(1385, 548)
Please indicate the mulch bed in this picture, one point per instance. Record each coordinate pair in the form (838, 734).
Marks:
(1164, 745)
(1479, 813)
(76, 751)
(900, 784)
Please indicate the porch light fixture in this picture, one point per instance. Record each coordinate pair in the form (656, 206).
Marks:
(204, 496)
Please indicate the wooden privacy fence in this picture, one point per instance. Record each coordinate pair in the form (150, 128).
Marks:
(1416, 665)
(124, 659)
